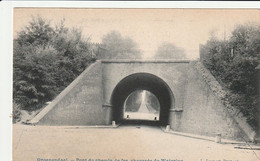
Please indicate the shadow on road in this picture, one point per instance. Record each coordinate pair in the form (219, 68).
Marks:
(139, 123)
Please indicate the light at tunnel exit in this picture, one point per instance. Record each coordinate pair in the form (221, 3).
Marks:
(142, 105)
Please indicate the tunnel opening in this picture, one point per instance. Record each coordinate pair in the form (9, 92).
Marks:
(127, 97)
(141, 105)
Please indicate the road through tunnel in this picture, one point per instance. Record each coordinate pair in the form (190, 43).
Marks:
(143, 83)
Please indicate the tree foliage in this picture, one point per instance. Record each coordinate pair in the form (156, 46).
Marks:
(115, 46)
(46, 59)
(233, 62)
(169, 51)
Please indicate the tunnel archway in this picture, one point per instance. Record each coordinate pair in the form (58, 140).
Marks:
(142, 81)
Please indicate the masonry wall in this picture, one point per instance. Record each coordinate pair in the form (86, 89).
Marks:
(172, 73)
(80, 103)
(203, 112)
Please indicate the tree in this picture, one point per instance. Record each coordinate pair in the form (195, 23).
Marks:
(169, 51)
(233, 62)
(37, 32)
(46, 59)
(114, 46)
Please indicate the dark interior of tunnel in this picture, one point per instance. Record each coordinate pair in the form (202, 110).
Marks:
(142, 81)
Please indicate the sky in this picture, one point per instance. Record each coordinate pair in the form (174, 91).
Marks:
(186, 28)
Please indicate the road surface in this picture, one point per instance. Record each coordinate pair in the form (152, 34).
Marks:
(126, 142)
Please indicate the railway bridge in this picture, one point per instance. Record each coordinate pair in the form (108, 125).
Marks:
(187, 93)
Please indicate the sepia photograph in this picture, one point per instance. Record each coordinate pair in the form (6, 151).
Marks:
(135, 84)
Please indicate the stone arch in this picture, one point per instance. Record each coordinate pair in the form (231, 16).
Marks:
(143, 81)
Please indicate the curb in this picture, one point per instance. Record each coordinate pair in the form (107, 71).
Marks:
(201, 137)
(75, 127)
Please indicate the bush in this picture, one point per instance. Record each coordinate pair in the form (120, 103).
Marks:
(233, 63)
(16, 113)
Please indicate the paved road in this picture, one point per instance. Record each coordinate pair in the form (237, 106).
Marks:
(124, 142)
